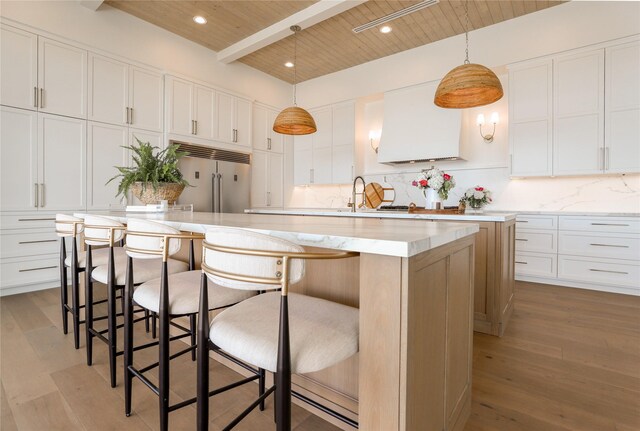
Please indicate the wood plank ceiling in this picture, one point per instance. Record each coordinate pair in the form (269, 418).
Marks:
(330, 45)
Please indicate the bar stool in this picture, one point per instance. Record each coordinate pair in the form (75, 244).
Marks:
(71, 227)
(106, 231)
(276, 331)
(170, 296)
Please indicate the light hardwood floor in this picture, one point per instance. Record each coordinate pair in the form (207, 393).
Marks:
(569, 360)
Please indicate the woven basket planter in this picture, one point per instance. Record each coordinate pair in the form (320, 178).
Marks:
(165, 191)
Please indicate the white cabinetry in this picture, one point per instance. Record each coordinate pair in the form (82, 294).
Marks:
(531, 118)
(104, 151)
(266, 179)
(123, 94)
(327, 156)
(576, 113)
(43, 161)
(43, 74)
(589, 252)
(622, 108)
(578, 126)
(263, 136)
(234, 120)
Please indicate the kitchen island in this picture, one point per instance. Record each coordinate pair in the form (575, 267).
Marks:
(494, 256)
(413, 285)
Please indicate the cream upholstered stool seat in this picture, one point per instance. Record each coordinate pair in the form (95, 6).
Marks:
(249, 331)
(99, 256)
(184, 294)
(277, 331)
(100, 231)
(170, 296)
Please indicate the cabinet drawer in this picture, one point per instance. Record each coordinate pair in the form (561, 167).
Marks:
(34, 242)
(537, 241)
(536, 222)
(28, 271)
(536, 264)
(600, 224)
(613, 246)
(594, 270)
(27, 221)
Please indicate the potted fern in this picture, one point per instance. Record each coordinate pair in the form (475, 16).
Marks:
(154, 177)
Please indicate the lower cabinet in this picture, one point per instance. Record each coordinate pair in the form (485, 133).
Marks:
(588, 252)
(266, 179)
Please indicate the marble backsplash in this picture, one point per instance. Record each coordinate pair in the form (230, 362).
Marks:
(605, 193)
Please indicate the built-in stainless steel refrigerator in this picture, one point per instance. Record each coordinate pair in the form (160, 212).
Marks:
(220, 179)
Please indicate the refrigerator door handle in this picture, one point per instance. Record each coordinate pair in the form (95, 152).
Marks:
(213, 193)
(220, 193)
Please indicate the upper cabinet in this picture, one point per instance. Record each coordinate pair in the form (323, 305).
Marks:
(123, 94)
(195, 110)
(576, 114)
(622, 108)
(263, 136)
(42, 74)
(327, 156)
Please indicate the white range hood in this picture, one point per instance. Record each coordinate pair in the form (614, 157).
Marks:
(416, 130)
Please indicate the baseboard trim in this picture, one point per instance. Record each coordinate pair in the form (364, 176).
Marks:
(581, 285)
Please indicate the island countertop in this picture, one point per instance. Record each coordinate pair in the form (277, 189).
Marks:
(343, 212)
(390, 237)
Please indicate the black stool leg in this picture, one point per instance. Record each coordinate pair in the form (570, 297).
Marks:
(154, 324)
(192, 325)
(202, 420)
(128, 336)
(75, 293)
(283, 374)
(88, 307)
(63, 286)
(111, 317)
(146, 321)
(163, 369)
(261, 376)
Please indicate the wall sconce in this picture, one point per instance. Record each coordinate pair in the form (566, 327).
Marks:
(488, 138)
(374, 135)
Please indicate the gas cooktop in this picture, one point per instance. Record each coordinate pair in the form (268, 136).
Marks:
(398, 208)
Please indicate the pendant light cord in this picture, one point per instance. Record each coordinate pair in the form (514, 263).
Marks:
(466, 32)
(295, 30)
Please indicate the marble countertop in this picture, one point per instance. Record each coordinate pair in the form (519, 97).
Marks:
(582, 213)
(340, 212)
(390, 237)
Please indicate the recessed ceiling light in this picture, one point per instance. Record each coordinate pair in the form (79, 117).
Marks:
(200, 19)
(385, 29)
(288, 64)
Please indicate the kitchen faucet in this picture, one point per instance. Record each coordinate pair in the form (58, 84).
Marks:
(352, 204)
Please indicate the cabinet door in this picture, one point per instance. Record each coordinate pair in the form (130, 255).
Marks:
(260, 134)
(277, 140)
(18, 68)
(322, 140)
(105, 151)
(154, 138)
(145, 99)
(226, 116)
(18, 159)
(108, 98)
(530, 119)
(62, 144)
(205, 105)
(243, 122)
(578, 114)
(259, 178)
(276, 178)
(180, 106)
(302, 160)
(622, 109)
(343, 142)
(62, 77)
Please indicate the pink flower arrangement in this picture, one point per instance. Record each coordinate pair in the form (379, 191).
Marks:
(435, 179)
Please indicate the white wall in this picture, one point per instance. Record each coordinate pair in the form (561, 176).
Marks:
(560, 28)
(121, 34)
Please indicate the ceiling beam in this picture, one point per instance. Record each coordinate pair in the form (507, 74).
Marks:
(317, 12)
(91, 4)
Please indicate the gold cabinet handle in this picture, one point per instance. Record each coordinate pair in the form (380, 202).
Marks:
(41, 195)
(35, 97)
(195, 123)
(611, 272)
(131, 119)
(37, 269)
(42, 97)
(36, 195)
(38, 242)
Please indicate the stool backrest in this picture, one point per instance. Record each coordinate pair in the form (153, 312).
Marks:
(248, 265)
(97, 230)
(67, 225)
(140, 246)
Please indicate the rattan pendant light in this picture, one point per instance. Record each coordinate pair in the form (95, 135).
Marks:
(468, 85)
(294, 120)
